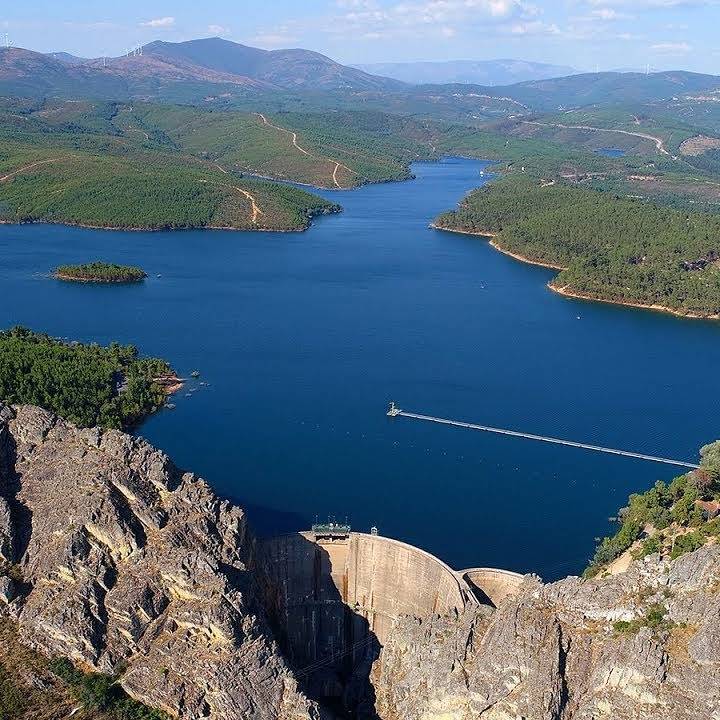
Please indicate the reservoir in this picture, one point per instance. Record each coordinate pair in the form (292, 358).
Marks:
(304, 338)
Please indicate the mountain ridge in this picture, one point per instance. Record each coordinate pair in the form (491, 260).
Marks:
(503, 71)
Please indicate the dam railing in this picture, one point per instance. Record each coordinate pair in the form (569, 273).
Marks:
(395, 411)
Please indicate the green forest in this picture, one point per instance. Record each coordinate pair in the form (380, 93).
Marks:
(161, 166)
(612, 248)
(670, 518)
(81, 164)
(100, 272)
(85, 383)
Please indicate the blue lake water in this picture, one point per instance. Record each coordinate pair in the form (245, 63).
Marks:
(305, 338)
(611, 152)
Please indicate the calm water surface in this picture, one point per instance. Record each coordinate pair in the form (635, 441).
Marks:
(304, 338)
(611, 152)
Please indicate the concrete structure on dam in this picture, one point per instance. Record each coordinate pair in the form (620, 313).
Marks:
(335, 595)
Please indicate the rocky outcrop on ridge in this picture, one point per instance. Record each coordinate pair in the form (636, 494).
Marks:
(127, 562)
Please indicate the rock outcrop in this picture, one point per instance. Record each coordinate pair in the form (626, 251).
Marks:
(643, 645)
(113, 558)
(127, 562)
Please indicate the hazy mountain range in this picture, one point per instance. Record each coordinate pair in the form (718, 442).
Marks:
(477, 72)
(211, 60)
(224, 72)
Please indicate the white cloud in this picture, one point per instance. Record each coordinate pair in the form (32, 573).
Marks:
(218, 30)
(672, 48)
(367, 18)
(162, 22)
(362, 4)
(650, 4)
(535, 27)
(608, 13)
(280, 37)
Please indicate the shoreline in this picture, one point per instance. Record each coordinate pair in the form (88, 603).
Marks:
(496, 246)
(526, 260)
(476, 233)
(98, 281)
(170, 383)
(565, 292)
(115, 228)
(576, 295)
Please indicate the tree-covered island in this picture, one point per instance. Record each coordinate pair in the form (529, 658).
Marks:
(100, 272)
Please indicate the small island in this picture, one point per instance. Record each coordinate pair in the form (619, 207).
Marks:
(100, 272)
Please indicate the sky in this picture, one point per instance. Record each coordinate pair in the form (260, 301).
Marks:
(584, 34)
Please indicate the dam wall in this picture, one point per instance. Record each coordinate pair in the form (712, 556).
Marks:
(490, 585)
(329, 595)
(334, 600)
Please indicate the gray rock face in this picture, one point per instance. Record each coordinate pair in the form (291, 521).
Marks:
(553, 653)
(129, 561)
(7, 590)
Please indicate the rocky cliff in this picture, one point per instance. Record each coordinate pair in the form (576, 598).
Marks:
(125, 561)
(644, 645)
(112, 557)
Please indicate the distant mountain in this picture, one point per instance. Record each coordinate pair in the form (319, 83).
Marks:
(285, 69)
(186, 71)
(226, 73)
(476, 72)
(608, 88)
(67, 58)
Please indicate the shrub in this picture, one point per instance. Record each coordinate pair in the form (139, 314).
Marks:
(97, 691)
(653, 618)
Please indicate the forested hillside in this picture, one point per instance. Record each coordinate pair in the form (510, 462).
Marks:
(671, 518)
(613, 248)
(87, 384)
(344, 149)
(75, 163)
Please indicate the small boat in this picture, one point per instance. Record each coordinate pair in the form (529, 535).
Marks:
(170, 406)
(195, 374)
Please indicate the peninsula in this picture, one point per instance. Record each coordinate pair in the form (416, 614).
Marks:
(112, 386)
(607, 248)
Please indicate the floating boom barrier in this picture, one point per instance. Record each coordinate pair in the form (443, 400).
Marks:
(395, 411)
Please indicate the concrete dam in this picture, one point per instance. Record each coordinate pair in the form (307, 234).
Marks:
(334, 597)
